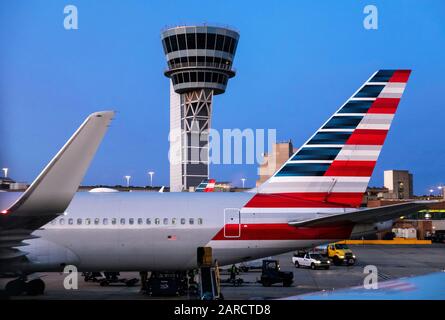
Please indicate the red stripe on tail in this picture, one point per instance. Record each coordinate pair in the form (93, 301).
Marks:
(367, 137)
(384, 105)
(345, 168)
(400, 76)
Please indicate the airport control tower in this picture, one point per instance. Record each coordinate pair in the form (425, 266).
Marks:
(199, 62)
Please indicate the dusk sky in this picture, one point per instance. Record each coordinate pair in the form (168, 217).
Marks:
(296, 63)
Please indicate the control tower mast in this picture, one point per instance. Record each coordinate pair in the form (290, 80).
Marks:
(199, 62)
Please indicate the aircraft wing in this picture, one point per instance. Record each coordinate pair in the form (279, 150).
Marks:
(52, 191)
(368, 215)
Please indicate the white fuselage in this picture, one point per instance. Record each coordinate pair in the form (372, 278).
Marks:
(131, 231)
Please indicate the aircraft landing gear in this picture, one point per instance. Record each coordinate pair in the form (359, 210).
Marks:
(35, 287)
(20, 286)
(15, 287)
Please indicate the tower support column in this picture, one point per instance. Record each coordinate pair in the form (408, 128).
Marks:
(196, 107)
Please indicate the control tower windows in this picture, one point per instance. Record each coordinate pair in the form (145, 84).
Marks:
(232, 46)
(201, 40)
(219, 42)
(167, 45)
(200, 76)
(226, 46)
(208, 76)
(191, 40)
(211, 37)
(181, 42)
(174, 43)
(193, 76)
(201, 59)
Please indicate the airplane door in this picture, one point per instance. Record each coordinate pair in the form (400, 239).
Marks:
(232, 223)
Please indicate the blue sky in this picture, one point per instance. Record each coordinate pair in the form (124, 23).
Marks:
(297, 62)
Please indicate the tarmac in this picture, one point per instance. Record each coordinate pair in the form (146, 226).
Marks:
(392, 262)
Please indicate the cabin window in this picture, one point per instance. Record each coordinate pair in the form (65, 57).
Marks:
(62, 221)
(122, 220)
(96, 221)
(148, 221)
(173, 220)
(87, 221)
(191, 221)
(165, 220)
(131, 221)
(113, 221)
(79, 221)
(157, 221)
(53, 222)
(140, 221)
(70, 221)
(182, 220)
(199, 220)
(105, 221)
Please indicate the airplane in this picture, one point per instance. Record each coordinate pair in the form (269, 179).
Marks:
(206, 185)
(314, 198)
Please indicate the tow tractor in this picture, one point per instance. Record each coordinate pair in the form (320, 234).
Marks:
(272, 274)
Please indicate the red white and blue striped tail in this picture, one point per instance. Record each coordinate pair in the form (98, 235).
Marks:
(206, 185)
(332, 169)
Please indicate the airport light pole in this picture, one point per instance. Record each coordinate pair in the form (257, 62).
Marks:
(5, 172)
(243, 180)
(151, 173)
(128, 180)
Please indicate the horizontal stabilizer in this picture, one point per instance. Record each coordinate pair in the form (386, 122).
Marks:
(370, 215)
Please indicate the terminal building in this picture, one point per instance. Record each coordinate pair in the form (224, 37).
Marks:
(399, 184)
(7, 184)
(199, 60)
(273, 160)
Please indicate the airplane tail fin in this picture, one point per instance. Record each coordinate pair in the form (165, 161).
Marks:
(333, 167)
(52, 191)
(206, 185)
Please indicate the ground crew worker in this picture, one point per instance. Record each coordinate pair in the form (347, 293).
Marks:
(233, 272)
(218, 278)
(144, 277)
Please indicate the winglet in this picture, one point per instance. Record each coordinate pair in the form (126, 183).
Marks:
(52, 191)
